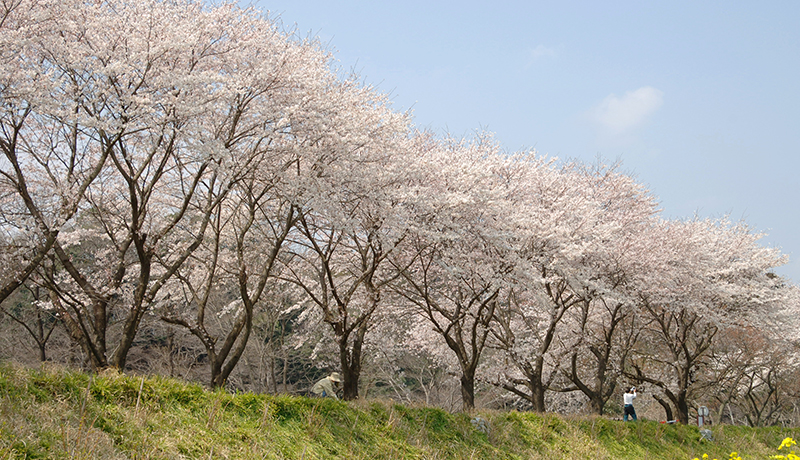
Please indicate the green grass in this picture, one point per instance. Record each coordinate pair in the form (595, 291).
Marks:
(56, 413)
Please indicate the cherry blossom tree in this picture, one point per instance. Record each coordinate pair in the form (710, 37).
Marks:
(763, 392)
(459, 308)
(352, 223)
(559, 225)
(710, 273)
(454, 267)
(216, 280)
(604, 322)
(595, 364)
(752, 368)
(48, 134)
(181, 100)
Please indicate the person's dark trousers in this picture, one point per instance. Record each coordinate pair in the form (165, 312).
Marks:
(629, 411)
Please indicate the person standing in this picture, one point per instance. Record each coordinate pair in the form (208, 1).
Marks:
(628, 409)
(327, 386)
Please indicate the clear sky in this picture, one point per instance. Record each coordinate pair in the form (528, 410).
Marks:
(700, 100)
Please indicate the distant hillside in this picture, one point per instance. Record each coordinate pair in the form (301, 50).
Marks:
(56, 413)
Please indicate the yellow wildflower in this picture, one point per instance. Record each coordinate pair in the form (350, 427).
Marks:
(788, 442)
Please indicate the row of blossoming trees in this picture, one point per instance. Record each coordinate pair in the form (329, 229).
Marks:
(174, 165)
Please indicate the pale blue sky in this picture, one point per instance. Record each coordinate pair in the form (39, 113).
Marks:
(700, 100)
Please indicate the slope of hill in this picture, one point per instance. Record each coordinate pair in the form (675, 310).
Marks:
(56, 413)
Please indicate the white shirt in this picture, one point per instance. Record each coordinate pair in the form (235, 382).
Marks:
(628, 397)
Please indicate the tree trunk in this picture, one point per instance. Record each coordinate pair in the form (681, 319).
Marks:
(537, 386)
(597, 404)
(350, 384)
(602, 388)
(351, 373)
(468, 390)
(537, 398)
(666, 406)
(350, 360)
(682, 407)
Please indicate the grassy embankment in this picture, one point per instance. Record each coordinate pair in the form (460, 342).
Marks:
(54, 413)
